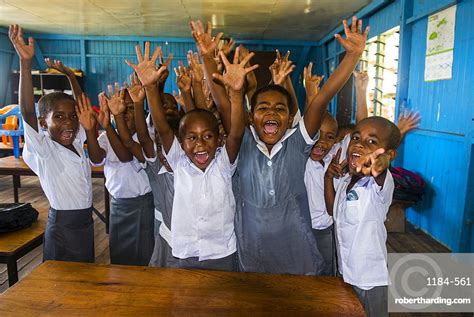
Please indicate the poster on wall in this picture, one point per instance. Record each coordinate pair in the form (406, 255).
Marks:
(440, 45)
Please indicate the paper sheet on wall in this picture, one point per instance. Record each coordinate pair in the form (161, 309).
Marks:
(440, 45)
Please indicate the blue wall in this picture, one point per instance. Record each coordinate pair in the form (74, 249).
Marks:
(102, 58)
(6, 59)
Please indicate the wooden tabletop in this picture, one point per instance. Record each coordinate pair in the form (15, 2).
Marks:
(65, 289)
(16, 166)
(12, 242)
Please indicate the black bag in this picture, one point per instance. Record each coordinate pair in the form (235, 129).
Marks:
(16, 216)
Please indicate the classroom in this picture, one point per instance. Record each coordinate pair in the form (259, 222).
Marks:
(217, 157)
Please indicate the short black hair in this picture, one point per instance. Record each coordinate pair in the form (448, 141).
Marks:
(271, 87)
(48, 102)
(329, 116)
(394, 136)
(201, 114)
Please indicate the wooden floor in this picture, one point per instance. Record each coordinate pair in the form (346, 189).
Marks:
(413, 240)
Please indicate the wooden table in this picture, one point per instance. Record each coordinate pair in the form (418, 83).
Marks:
(15, 244)
(66, 289)
(17, 167)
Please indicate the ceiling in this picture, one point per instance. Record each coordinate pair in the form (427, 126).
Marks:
(245, 19)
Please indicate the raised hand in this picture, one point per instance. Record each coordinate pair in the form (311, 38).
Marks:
(205, 43)
(234, 75)
(116, 102)
(104, 115)
(59, 66)
(166, 63)
(196, 70)
(87, 116)
(311, 82)
(227, 47)
(24, 51)
(354, 43)
(336, 169)
(281, 68)
(179, 99)
(373, 164)
(361, 78)
(407, 121)
(146, 69)
(183, 77)
(136, 91)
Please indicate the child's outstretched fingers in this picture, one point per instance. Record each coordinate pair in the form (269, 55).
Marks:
(354, 43)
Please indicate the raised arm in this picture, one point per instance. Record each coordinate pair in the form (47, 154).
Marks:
(117, 107)
(207, 45)
(234, 78)
(280, 70)
(251, 78)
(149, 76)
(137, 93)
(183, 80)
(59, 66)
(88, 119)
(354, 45)
(407, 121)
(311, 84)
(25, 53)
(197, 76)
(361, 82)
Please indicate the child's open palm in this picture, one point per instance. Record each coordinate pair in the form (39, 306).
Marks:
(235, 73)
(136, 90)
(311, 82)
(24, 51)
(104, 115)
(205, 43)
(183, 77)
(361, 78)
(146, 69)
(196, 71)
(281, 68)
(354, 43)
(116, 102)
(59, 66)
(87, 116)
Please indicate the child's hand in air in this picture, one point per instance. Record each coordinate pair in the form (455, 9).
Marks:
(235, 73)
(354, 43)
(336, 169)
(179, 99)
(205, 43)
(104, 115)
(281, 68)
(146, 69)
(183, 77)
(87, 116)
(195, 69)
(311, 82)
(136, 91)
(59, 66)
(408, 120)
(116, 103)
(373, 164)
(361, 78)
(227, 47)
(24, 51)
(166, 63)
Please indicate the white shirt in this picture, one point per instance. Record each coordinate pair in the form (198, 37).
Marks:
(360, 231)
(314, 181)
(65, 177)
(202, 224)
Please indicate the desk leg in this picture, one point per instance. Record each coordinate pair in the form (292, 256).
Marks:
(16, 184)
(107, 208)
(12, 271)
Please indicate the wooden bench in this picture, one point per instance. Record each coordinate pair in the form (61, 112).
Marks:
(15, 244)
(65, 289)
(396, 215)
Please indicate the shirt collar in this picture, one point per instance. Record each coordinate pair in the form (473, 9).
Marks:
(276, 148)
(197, 169)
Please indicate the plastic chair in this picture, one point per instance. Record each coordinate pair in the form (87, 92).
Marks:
(12, 130)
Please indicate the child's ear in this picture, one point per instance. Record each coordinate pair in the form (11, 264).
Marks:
(392, 154)
(250, 114)
(290, 120)
(42, 122)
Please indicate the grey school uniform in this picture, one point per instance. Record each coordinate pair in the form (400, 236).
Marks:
(272, 223)
(162, 185)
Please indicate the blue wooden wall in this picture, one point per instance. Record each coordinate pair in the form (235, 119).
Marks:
(102, 58)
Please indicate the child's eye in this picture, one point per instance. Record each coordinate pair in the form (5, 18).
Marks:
(191, 138)
(208, 137)
(371, 141)
(262, 108)
(74, 116)
(355, 137)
